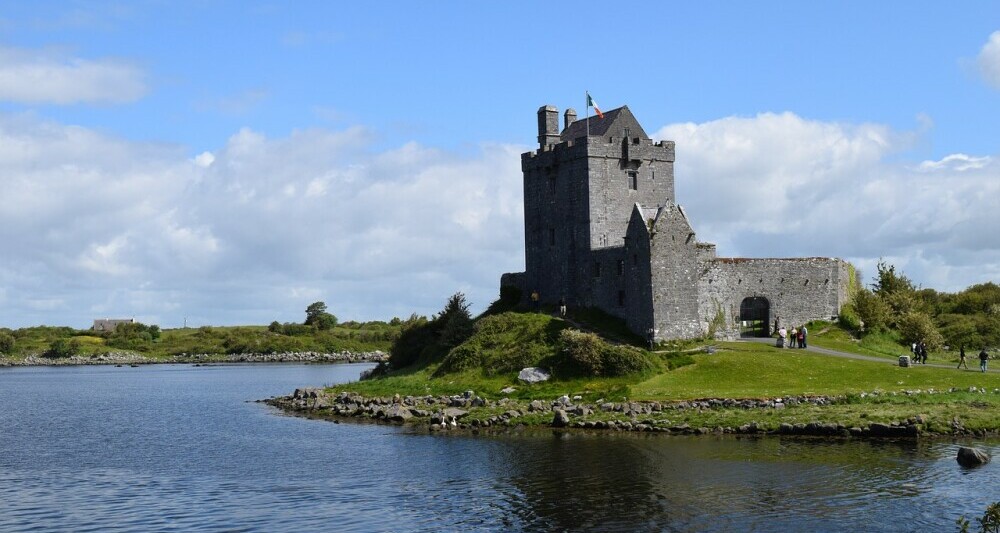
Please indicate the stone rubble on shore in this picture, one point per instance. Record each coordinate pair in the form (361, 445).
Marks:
(453, 412)
(131, 358)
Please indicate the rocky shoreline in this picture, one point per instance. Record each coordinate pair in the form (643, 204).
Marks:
(131, 358)
(471, 412)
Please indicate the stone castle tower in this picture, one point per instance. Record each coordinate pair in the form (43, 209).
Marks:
(602, 228)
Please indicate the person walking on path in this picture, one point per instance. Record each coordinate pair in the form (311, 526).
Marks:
(562, 307)
(803, 336)
(983, 357)
(923, 352)
(782, 333)
(794, 339)
(961, 358)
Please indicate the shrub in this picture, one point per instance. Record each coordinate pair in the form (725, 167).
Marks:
(582, 351)
(63, 348)
(416, 337)
(625, 360)
(915, 327)
(588, 354)
(6, 342)
(872, 310)
(848, 318)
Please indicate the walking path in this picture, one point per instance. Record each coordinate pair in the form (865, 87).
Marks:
(973, 361)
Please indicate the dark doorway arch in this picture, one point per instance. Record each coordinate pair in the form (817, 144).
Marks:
(755, 312)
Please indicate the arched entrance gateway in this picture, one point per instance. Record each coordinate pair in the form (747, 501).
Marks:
(755, 312)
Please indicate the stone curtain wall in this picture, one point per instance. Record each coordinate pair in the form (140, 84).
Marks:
(797, 290)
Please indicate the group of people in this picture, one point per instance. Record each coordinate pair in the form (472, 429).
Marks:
(797, 337)
(984, 357)
(919, 351)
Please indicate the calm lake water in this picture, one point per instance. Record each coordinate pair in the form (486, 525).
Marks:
(179, 448)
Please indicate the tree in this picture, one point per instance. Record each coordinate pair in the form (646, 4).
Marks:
(456, 321)
(872, 310)
(916, 327)
(889, 282)
(318, 317)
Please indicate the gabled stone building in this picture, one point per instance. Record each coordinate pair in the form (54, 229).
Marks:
(602, 228)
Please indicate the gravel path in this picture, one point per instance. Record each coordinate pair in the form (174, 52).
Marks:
(973, 360)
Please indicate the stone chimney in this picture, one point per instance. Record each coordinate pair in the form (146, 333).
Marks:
(569, 117)
(548, 126)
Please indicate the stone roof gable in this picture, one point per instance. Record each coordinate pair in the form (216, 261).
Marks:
(612, 125)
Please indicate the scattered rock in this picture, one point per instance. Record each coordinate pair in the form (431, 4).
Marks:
(507, 390)
(972, 457)
(560, 419)
(534, 375)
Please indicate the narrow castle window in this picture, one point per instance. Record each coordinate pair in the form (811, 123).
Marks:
(552, 184)
(633, 180)
(552, 236)
(635, 259)
(621, 267)
(621, 298)
(596, 269)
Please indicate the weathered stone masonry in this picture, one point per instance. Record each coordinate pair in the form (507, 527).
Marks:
(602, 229)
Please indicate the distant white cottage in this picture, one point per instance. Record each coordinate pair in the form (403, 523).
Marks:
(109, 324)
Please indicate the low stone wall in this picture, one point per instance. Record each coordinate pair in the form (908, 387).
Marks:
(131, 358)
(471, 412)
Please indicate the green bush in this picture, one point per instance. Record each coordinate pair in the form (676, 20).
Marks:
(416, 337)
(7, 342)
(583, 352)
(589, 355)
(848, 318)
(63, 348)
(916, 326)
(872, 310)
(625, 360)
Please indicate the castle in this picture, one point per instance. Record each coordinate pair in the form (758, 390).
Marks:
(602, 228)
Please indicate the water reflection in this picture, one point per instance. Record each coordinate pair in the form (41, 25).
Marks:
(627, 482)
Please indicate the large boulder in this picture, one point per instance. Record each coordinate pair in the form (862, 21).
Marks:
(560, 419)
(972, 457)
(398, 413)
(534, 375)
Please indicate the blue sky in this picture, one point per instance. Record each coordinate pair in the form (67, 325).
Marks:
(231, 162)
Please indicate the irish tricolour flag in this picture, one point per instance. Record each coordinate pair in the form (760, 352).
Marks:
(592, 103)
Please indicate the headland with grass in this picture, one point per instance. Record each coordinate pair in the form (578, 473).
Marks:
(457, 373)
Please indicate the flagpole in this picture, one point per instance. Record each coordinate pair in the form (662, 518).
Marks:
(586, 103)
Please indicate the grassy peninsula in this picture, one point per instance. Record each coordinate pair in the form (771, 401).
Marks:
(603, 378)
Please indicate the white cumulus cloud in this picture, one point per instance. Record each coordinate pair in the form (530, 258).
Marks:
(779, 185)
(989, 60)
(251, 232)
(52, 77)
